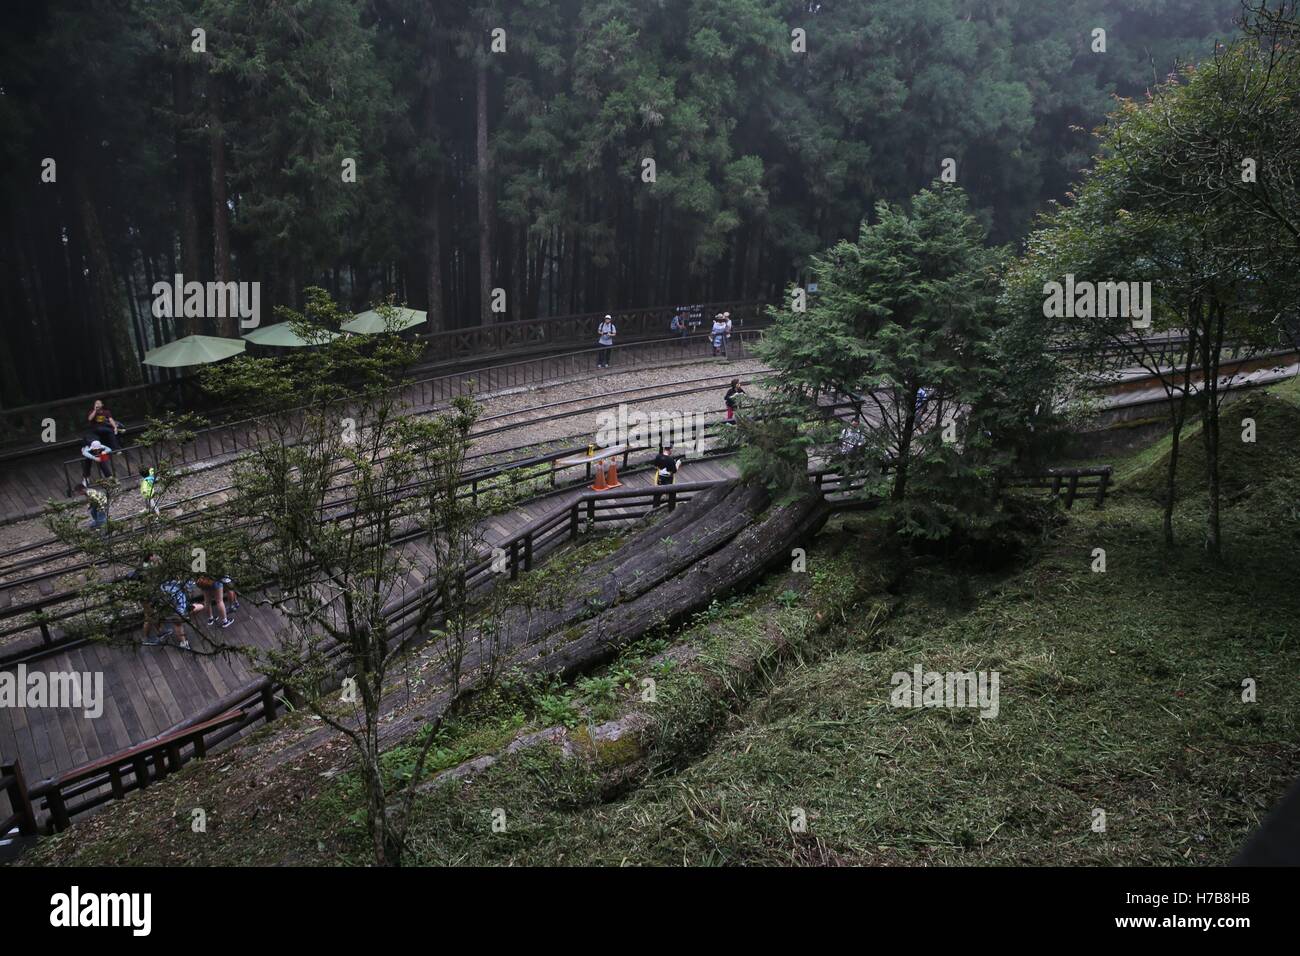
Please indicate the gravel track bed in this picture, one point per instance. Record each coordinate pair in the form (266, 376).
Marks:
(519, 404)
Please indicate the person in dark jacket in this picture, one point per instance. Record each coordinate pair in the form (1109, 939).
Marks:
(666, 465)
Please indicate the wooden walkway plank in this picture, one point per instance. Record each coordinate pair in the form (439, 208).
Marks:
(149, 689)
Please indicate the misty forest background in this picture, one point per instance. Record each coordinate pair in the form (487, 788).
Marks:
(520, 170)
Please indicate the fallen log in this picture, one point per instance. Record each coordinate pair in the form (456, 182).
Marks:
(572, 649)
(738, 564)
(652, 556)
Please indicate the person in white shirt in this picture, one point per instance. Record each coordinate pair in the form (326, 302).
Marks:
(607, 332)
(718, 335)
(95, 452)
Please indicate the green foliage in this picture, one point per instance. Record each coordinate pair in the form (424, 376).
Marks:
(905, 326)
(559, 709)
(765, 156)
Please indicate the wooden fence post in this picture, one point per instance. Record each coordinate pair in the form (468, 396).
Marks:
(19, 798)
(1101, 488)
(58, 811)
(269, 703)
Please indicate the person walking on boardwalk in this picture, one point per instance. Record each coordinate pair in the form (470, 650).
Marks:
(666, 466)
(148, 489)
(178, 597)
(214, 592)
(607, 332)
(95, 452)
(103, 424)
(730, 400)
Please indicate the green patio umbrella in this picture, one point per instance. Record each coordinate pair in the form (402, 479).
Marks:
(282, 335)
(194, 350)
(369, 323)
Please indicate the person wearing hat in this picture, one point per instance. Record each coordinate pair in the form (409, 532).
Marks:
(718, 335)
(607, 332)
(95, 453)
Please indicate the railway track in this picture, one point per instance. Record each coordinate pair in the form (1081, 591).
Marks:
(29, 573)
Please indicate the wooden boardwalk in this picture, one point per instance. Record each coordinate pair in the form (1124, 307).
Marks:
(26, 482)
(148, 690)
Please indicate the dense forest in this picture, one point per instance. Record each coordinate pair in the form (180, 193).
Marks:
(437, 151)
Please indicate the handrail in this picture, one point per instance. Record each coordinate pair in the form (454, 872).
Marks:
(129, 769)
(463, 343)
(12, 783)
(137, 766)
(427, 393)
(470, 481)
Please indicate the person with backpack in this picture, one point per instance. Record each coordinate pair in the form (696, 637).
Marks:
(178, 598)
(607, 331)
(148, 490)
(730, 401)
(95, 452)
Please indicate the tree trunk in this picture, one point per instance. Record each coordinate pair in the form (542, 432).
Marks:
(433, 262)
(905, 444)
(227, 326)
(484, 196)
(1178, 414)
(1212, 353)
(738, 564)
(187, 199)
(106, 297)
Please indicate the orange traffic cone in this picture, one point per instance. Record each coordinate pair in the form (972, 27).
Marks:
(600, 478)
(612, 478)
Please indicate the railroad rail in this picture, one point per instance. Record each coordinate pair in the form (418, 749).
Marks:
(454, 346)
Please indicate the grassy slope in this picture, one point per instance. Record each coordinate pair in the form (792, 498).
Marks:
(1119, 691)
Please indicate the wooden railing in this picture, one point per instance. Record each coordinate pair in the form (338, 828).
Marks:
(243, 435)
(14, 786)
(112, 778)
(80, 790)
(1075, 480)
(139, 402)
